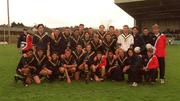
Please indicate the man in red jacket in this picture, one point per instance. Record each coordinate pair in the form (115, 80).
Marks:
(160, 49)
(24, 42)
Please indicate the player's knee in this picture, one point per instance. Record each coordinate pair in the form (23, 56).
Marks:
(37, 80)
(61, 70)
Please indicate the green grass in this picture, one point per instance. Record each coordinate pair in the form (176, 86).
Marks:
(79, 91)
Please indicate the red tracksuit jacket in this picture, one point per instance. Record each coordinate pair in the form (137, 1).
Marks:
(153, 63)
(160, 46)
(28, 43)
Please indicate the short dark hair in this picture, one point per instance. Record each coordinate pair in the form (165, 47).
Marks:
(81, 24)
(135, 27)
(111, 27)
(102, 26)
(126, 26)
(40, 25)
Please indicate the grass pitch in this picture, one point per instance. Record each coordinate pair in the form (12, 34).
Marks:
(94, 91)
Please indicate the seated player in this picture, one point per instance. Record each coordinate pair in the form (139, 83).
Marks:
(132, 68)
(40, 62)
(138, 53)
(98, 67)
(26, 68)
(152, 66)
(88, 60)
(68, 65)
(112, 68)
(122, 63)
(78, 55)
(52, 67)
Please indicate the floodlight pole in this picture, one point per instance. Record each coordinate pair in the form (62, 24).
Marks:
(9, 33)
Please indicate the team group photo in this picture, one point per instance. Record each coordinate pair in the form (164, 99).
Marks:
(89, 50)
(92, 55)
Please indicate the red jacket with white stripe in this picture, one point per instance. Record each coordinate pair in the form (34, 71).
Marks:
(28, 43)
(153, 63)
(160, 46)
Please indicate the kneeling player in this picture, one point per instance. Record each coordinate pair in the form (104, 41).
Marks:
(112, 69)
(68, 65)
(98, 67)
(88, 61)
(151, 66)
(78, 55)
(52, 66)
(132, 68)
(40, 62)
(26, 68)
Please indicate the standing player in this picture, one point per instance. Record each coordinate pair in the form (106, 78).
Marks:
(101, 32)
(55, 42)
(41, 39)
(24, 42)
(160, 49)
(75, 39)
(66, 37)
(138, 40)
(81, 30)
(125, 40)
(109, 43)
(96, 44)
(86, 39)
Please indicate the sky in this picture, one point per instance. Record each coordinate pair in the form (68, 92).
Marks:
(58, 13)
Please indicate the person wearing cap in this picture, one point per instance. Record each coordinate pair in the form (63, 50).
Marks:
(24, 42)
(159, 42)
